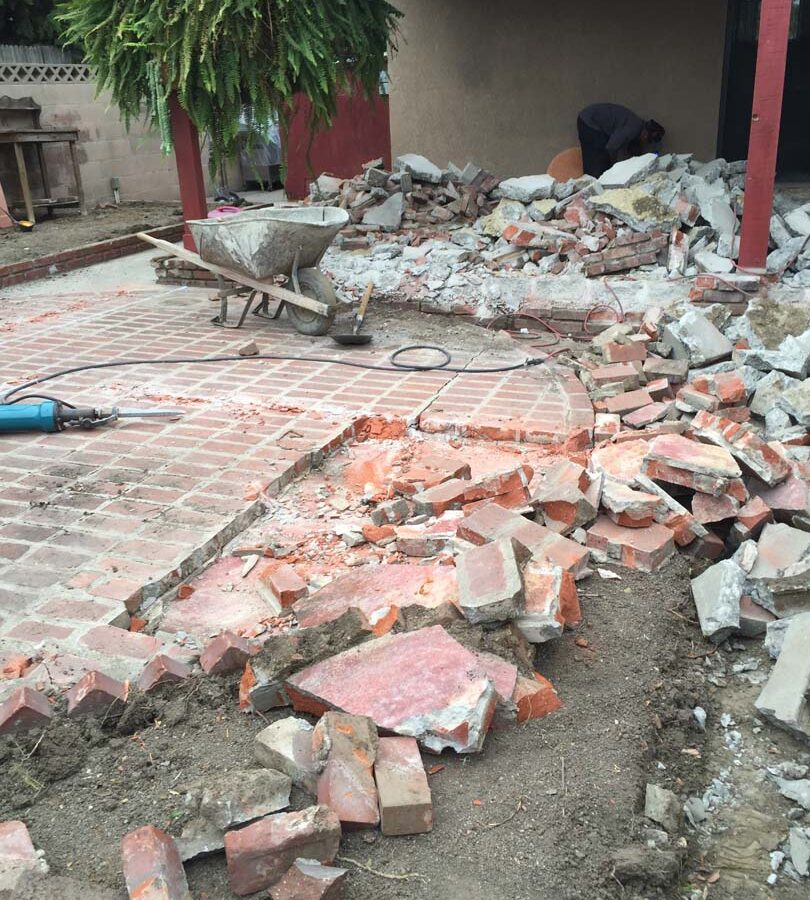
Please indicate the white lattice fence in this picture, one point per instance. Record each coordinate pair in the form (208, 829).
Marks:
(44, 73)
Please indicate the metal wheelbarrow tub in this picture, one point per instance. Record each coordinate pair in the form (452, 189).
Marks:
(263, 243)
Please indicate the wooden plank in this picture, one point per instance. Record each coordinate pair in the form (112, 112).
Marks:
(264, 287)
(763, 145)
(77, 177)
(26, 188)
(34, 136)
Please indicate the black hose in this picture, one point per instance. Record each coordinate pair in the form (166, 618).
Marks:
(394, 366)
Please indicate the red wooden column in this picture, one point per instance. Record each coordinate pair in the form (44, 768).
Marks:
(766, 115)
(189, 168)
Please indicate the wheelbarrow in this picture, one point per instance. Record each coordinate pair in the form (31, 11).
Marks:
(254, 247)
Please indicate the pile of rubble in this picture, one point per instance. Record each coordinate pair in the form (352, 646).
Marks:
(670, 211)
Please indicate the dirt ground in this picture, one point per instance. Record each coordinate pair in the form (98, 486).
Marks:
(537, 814)
(68, 229)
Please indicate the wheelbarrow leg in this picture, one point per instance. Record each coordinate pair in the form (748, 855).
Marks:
(262, 308)
(221, 320)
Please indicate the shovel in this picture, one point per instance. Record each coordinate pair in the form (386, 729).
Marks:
(355, 338)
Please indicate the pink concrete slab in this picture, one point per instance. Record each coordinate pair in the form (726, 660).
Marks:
(420, 684)
(222, 601)
(375, 589)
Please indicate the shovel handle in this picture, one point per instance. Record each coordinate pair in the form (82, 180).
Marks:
(361, 310)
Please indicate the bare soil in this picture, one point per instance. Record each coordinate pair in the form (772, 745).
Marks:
(538, 814)
(69, 229)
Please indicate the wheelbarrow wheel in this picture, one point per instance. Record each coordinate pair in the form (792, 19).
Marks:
(315, 285)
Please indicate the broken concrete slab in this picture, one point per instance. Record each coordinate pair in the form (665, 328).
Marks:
(260, 854)
(420, 684)
(744, 445)
(775, 636)
(286, 745)
(717, 593)
(694, 338)
(702, 467)
(527, 188)
(780, 577)
(283, 654)
(783, 701)
(405, 802)
(376, 590)
(768, 391)
(388, 215)
(421, 168)
(636, 208)
(629, 171)
(795, 401)
(490, 583)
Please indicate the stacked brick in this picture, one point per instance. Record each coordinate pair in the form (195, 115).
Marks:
(628, 251)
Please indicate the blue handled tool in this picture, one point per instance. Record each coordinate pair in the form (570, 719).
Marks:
(55, 415)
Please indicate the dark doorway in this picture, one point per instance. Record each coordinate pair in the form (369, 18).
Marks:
(738, 93)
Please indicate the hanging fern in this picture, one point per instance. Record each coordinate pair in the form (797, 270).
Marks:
(223, 56)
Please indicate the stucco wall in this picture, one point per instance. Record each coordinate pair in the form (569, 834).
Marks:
(105, 148)
(501, 84)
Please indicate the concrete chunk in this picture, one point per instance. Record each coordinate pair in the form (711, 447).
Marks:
(695, 338)
(387, 215)
(421, 168)
(629, 171)
(783, 700)
(286, 745)
(663, 807)
(717, 593)
(528, 188)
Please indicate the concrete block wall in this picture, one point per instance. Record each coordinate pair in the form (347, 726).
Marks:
(105, 148)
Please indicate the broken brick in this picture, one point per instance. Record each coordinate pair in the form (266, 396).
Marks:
(226, 653)
(692, 400)
(641, 418)
(628, 507)
(405, 802)
(162, 669)
(152, 866)
(307, 879)
(625, 374)
(605, 426)
(260, 854)
(95, 693)
(728, 387)
(622, 353)
(379, 534)
(344, 747)
(754, 619)
(282, 582)
(707, 509)
(753, 517)
(436, 500)
(17, 857)
(645, 549)
(24, 709)
(422, 681)
(541, 619)
(490, 584)
(394, 512)
(428, 539)
(493, 522)
(535, 698)
(567, 498)
(627, 403)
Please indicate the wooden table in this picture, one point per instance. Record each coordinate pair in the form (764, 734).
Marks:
(39, 137)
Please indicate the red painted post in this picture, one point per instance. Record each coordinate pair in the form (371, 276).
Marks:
(766, 115)
(189, 168)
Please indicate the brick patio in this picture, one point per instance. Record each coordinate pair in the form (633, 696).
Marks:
(95, 524)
